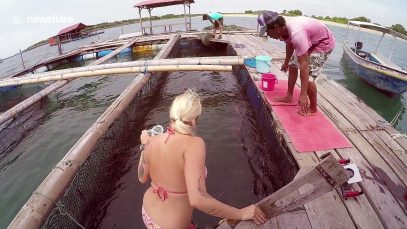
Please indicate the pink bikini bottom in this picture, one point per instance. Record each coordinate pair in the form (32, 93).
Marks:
(150, 224)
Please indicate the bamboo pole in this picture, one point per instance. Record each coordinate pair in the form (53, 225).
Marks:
(31, 100)
(113, 71)
(220, 60)
(9, 114)
(37, 209)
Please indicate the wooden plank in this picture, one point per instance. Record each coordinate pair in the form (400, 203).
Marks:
(381, 168)
(362, 213)
(379, 119)
(325, 176)
(297, 218)
(395, 163)
(376, 192)
(294, 219)
(358, 120)
(398, 165)
(282, 200)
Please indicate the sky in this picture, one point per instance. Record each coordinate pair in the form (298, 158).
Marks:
(25, 22)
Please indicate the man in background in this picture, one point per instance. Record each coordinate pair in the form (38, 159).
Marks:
(217, 21)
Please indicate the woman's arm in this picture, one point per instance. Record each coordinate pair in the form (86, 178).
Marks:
(199, 198)
(143, 168)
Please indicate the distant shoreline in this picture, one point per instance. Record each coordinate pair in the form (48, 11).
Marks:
(323, 21)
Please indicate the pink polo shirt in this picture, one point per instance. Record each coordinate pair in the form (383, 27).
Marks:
(308, 33)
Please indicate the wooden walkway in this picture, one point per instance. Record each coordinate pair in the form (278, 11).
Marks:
(381, 158)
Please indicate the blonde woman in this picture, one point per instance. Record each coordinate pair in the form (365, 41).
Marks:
(175, 163)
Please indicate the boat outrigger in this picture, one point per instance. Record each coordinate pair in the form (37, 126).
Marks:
(373, 67)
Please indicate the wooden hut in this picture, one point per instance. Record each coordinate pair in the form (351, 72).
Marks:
(149, 5)
(70, 33)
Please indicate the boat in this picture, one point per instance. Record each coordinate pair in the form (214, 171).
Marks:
(373, 67)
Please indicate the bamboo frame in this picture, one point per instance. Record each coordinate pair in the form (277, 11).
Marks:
(34, 213)
(221, 60)
(113, 71)
(9, 114)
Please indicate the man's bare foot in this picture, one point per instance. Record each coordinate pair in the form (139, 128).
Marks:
(310, 113)
(283, 99)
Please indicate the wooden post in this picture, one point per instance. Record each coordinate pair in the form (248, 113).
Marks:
(190, 20)
(122, 26)
(141, 22)
(22, 60)
(151, 23)
(185, 18)
(59, 45)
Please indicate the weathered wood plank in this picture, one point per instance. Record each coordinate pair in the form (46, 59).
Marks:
(377, 193)
(362, 213)
(380, 167)
(359, 121)
(399, 168)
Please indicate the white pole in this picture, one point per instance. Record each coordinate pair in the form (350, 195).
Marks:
(190, 20)
(392, 48)
(380, 42)
(185, 18)
(141, 22)
(151, 23)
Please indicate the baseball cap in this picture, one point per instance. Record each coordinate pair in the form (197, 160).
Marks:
(265, 19)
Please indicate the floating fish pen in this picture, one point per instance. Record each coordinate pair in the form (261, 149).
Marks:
(71, 195)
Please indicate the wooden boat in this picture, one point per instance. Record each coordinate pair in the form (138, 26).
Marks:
(373, 67)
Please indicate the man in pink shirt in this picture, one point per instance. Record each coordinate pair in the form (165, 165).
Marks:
(308, 45)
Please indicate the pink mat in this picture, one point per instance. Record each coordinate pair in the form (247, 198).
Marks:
(307, 133)
(280, 90)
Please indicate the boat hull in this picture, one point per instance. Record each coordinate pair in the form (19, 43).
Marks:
(379, 76)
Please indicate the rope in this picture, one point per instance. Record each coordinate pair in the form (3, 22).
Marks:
(61, 209)
(394, 136)
(396, 117)
(145, 67)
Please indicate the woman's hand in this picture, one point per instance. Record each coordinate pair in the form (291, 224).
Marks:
(254, 213)
(144, 137)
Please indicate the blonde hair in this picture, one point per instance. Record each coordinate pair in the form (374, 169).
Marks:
(184, 109)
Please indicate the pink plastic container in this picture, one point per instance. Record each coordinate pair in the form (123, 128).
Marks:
(268, 81)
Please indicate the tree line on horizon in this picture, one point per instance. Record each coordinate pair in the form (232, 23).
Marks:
(105, 25)
(342, 20)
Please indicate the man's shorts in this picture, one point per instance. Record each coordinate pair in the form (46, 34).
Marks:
(219, 24)
(316, 61)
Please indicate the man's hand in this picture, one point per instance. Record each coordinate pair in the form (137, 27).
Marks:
(303, 104)
(284, 67)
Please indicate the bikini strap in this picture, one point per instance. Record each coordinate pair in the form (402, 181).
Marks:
(170, 132)
(161, 192)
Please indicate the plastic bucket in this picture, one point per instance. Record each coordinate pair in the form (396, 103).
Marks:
(263, 64)
(268, 81)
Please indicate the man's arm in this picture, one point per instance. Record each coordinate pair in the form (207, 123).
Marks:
(289, 50)
(304, 76)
